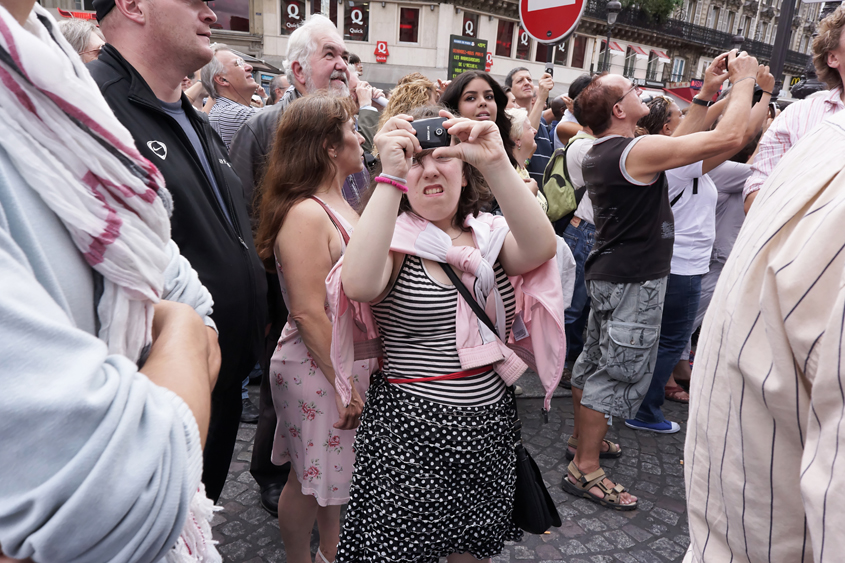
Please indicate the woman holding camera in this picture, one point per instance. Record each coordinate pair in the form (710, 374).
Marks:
(435, 466)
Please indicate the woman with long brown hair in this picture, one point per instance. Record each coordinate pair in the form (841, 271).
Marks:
(305, 223)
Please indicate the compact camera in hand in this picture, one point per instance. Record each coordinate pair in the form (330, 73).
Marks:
(431, 133)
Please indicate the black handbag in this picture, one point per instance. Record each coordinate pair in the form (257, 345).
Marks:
(533, 508)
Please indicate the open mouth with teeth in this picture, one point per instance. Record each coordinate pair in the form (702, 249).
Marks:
(482, 116)
(433, 190)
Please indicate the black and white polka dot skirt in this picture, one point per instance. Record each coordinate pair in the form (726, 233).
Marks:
(429, 480)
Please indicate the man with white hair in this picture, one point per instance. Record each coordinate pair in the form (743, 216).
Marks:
(316, 60)
(228, 79)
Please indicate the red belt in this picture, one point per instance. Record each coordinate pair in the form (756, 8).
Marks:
(456, 375)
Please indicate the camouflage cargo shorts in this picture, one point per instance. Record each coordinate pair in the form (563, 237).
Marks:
(614, 369)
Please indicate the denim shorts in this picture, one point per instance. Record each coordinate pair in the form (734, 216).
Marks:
(614, 369)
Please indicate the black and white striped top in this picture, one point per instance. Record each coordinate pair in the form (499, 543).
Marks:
(417, 325)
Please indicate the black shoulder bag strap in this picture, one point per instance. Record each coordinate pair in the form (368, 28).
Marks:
(533, 509)
(694, 192)
(462, 289)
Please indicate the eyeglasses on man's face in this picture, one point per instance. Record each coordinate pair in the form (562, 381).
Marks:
(634, 88)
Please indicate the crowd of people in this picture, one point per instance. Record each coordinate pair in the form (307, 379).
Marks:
(169, 229)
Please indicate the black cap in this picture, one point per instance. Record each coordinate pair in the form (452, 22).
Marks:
(103, 7)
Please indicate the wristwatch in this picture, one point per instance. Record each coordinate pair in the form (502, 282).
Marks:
(699, 102)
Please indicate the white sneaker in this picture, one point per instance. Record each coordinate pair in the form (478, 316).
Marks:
(517, 390)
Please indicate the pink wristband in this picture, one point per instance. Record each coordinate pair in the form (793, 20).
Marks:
(401, 187)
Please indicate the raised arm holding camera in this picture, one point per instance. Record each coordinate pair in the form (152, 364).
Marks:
(627, 270)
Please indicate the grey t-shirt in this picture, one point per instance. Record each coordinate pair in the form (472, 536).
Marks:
(729, 178)
(175, 111)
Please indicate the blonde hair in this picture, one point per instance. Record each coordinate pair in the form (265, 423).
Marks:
(830, 30)
(518, 116)
(408, 96)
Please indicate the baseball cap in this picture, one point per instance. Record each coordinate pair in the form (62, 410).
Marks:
(103, 7)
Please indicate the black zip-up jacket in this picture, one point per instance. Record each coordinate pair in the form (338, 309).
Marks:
(222, 254)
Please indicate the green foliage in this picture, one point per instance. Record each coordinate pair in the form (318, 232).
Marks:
(658, 10)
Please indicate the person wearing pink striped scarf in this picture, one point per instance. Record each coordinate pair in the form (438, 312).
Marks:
(107, 351)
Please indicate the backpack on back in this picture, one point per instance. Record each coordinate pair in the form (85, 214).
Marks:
(563, 198)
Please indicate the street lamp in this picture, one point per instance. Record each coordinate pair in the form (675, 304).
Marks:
(613, 9)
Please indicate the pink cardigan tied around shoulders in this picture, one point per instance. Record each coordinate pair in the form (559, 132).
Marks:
(537, 337)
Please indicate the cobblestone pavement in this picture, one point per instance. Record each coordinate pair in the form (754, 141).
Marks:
(651, 467)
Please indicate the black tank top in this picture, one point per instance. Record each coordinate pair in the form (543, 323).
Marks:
(635, 229)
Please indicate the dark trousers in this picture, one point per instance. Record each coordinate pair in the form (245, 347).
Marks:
(679, 309)
(262, 469)
(580, 240)
(226, 406)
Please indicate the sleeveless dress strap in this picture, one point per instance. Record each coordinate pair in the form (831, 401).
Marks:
(334, 220)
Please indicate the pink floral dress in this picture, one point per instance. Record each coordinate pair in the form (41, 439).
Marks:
(305, 407)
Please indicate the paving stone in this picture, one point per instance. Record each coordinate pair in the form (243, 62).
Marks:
(572, 547)
(522, 553)
(670, 518)
(592, 524)
(667, 548)
(598, 543)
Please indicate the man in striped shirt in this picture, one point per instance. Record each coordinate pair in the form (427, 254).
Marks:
(767, 408)
(801, 117)
(228, 79)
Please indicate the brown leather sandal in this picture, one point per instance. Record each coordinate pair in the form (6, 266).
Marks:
(595, 479)
(676, 393)
(613, 450)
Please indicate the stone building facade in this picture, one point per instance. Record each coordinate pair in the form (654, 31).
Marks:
(668, 54)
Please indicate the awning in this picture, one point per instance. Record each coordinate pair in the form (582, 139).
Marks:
(651, 93)
(639, 52)
(258, 64)
(686, 94)
(661, 56)
(614, 46)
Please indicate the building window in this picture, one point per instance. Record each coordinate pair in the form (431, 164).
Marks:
(356, 21)
(651, 68)
(630, 63)
(693, 7)
(579, 51)
(409, 25)
(233, 15)
(316, 8)
(713, 17)
(763, 32)
(746, 28)
(731, 22)
(678, 69)
(470, 27)
(523, 45)
(542, 55)
(293, 15)
(504, 39)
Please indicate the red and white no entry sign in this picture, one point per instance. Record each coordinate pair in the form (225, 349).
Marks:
(548, 21)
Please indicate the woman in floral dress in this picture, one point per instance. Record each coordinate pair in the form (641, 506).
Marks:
(304, 225)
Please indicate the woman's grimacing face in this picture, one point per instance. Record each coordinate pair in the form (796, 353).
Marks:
(434, 187)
